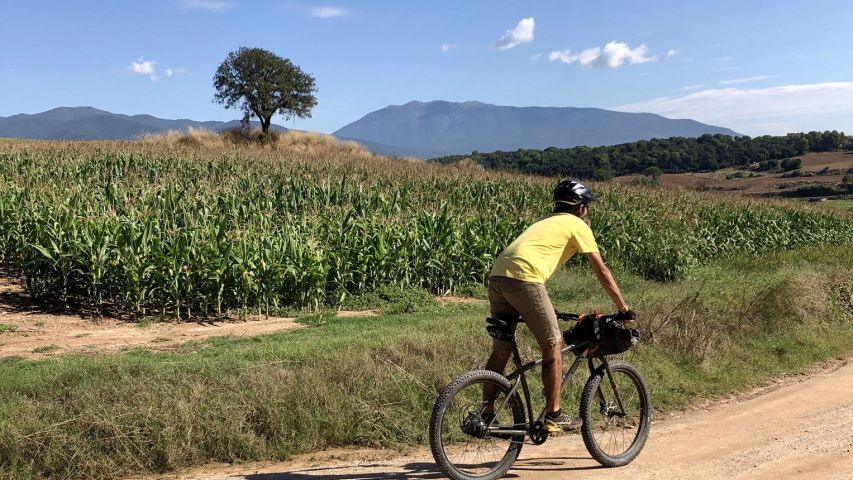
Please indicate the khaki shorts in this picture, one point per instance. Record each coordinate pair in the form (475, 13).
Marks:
(510, 298)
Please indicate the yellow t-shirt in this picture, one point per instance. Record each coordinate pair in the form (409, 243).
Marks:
(544, 247)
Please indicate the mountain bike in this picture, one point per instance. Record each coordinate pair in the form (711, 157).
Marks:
(614, 407)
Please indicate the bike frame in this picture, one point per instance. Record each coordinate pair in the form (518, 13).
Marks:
(518, 377)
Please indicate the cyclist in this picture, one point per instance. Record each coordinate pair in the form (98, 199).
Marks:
(517, 288)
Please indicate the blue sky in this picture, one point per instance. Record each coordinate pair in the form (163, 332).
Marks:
(758, 67)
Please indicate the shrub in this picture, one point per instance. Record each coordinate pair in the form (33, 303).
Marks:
(789, 164)
(248, 136)
(653, 172)
(768, 165)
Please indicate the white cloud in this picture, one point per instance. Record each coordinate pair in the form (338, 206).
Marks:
(522, 33)
(692, 87)
(673, 52)
(613, 55)
(328, 12)
(754, 109)
(142, 67)
(147, 68)
(536, 56)
(171, 72)
(756, 78)
(446, 47)
(213, 5)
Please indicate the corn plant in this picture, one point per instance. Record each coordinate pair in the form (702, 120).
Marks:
(190, 232)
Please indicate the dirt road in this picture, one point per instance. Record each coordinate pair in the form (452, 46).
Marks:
(31, 330)
(801, 430)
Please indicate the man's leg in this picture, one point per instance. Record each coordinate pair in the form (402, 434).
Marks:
(552, 375)
(501, 350)
(538, 312)
(496, 363)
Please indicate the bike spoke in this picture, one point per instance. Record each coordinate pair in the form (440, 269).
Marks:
(614, 429)
(463, 432)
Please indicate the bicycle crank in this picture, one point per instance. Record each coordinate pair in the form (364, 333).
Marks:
(538, 433)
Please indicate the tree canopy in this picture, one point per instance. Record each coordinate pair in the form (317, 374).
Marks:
(262, 84)
(669, 155)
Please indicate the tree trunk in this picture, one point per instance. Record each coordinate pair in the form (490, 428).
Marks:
(265, 123)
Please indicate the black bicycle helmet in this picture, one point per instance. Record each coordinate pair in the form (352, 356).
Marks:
(572, 193)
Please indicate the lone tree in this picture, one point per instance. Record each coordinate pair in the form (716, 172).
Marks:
(262, 84)
(653, 171)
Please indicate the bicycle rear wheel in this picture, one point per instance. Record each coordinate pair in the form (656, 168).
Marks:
(615, 435)
(466, 446)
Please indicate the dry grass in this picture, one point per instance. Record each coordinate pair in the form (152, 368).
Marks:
(295, 142)
(193, 137)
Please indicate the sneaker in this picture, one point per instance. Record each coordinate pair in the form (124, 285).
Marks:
(563, 423)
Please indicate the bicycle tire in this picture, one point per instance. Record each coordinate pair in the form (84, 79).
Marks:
(592, 404)
(439, 417)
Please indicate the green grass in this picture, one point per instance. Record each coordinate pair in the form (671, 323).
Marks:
(372, 380)
(8, 327)
(46, 349)
(841, 204)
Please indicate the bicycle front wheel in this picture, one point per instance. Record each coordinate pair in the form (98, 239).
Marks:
(616, 414)
(467, 443)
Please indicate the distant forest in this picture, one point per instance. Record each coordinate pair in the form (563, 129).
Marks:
(671, 155)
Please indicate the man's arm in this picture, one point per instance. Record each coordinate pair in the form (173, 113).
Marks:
(606, 279)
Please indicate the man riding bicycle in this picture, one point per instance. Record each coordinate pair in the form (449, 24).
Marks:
(517, 288)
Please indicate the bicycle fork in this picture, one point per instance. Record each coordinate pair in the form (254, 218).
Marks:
(602, 402)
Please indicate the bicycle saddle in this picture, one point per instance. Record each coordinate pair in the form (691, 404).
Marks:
(502, 328)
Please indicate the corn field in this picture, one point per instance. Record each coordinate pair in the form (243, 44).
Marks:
(182, 231)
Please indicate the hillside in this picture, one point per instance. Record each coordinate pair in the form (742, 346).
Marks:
(667, 155)
(87, 123)
(430, 129)
(819, 175)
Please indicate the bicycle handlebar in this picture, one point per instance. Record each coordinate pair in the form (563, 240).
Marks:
(579, 316)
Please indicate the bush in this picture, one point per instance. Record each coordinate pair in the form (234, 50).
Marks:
(653, 172)
(394, 300)
(645, 182)
(789, 164)
(245, 136)
(768, 165)
(814, 190)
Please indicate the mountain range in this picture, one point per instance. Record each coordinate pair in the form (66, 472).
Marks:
(87, 123)
(429, 129)
(418, 129)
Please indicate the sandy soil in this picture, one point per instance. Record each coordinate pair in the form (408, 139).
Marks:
(42, 331)
(447, 299)
(800, 427)
(834, 160)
